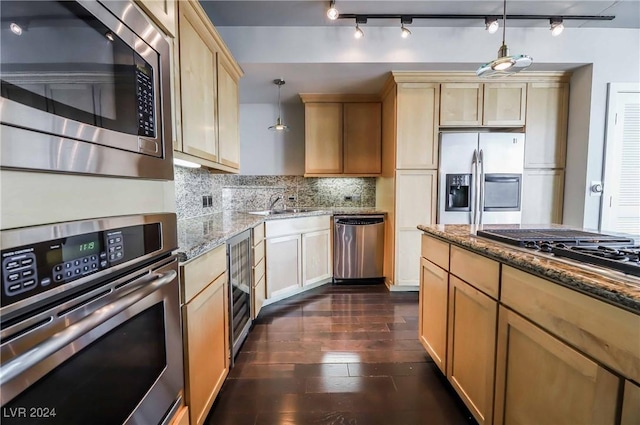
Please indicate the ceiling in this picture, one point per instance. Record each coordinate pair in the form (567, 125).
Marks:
(256, 86)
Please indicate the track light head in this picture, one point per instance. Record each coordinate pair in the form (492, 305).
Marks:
(491, 24)
(332, 12)
(557, 26)
(358, 33)
(405, 31)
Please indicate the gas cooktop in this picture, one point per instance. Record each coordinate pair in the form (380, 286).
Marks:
(610, 251)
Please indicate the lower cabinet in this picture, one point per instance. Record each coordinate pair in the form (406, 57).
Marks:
(181, 417)
(542, 196)
(432, 313)
(205, 322)
(541, 380)
(630, 404)
(258, 287)
(471, 347)
(298, 254)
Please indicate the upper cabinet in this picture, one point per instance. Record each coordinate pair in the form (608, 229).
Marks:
(342, 135)
(483, 104)
(163, 13)
(417, 132)
(207, 93)
(546, 132)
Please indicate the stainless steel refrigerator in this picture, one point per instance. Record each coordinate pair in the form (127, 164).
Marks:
(480, 178)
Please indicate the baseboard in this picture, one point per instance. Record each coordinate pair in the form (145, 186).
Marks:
(403, 288)
(296, 292)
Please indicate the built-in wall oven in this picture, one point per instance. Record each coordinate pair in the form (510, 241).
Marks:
(90, 322)
(84, 89)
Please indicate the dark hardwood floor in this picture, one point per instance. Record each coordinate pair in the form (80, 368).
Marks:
(338, 354)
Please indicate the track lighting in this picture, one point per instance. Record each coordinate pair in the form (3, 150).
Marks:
(278, 126)
(358, 33)
(557, 26)
(15, 28)
(109, 35)
(332, 13)
(491, 24)
(405, 32)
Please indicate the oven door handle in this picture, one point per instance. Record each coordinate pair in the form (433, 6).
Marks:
(35, 355)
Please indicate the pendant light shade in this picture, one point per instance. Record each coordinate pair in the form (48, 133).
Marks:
(279, 126)
(505, 64)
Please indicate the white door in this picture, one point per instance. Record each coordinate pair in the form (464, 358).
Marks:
(621, 194)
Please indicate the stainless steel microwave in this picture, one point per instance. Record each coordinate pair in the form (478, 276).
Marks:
(84, 89)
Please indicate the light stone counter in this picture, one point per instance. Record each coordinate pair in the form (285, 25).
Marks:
(615, 287)
(201, 234)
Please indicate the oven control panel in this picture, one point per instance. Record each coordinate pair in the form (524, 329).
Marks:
(32, 269)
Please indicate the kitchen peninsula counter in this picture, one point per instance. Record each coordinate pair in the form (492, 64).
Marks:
(622, 290)
(199, 235)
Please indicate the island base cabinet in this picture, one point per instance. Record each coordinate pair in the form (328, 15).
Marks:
(471, 347)
(540, 380)
(432, 314)
(630, 404)
(205, 321)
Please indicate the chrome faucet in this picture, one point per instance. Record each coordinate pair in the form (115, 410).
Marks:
(273, 202)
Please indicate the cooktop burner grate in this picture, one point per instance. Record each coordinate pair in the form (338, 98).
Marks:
(625, 259)
(523, 237)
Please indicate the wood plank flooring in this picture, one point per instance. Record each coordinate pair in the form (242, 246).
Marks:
(338, 354)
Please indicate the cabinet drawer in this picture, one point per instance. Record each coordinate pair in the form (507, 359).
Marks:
(435, 251)
(476, 270)
(258, 253)
(258, 271)
(202, 270)
(258, 234)
(606, 333)
(291, 226)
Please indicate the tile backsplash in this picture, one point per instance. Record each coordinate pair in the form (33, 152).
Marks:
(252, 193)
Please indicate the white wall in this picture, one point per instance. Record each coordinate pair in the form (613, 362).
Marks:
(264, 152)
(614, 53)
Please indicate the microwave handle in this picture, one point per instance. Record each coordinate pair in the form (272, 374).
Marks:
(474, 183)
(481, 184)
(35, 355)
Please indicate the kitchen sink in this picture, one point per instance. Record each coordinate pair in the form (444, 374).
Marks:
(283, 211)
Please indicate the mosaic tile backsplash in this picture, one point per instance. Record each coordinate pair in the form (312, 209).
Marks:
(253, 193)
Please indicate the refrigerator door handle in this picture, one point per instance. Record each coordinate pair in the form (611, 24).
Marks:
(474, 194)
(481, 186)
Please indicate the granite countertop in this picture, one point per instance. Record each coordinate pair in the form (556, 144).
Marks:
(201, 234)
(614, 287)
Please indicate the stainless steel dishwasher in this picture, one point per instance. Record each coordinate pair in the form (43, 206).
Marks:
(358, 247)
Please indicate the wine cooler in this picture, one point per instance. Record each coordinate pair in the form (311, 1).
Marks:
(239, 267)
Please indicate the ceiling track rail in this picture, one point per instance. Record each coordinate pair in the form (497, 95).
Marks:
(363, 17)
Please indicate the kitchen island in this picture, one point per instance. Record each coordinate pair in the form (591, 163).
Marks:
(524, 337)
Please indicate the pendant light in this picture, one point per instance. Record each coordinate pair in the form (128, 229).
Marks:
(278, 126)
(505, 64)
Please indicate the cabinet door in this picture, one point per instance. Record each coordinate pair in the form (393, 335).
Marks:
(323, 138)
(316, 252)
(432, 314)
(197, 85)
(206, 339)
(546, 135)
(259, 295)
(461, 104)
(540, 380)
(630, 404)
(284, 259)
(228, 134)
(417, 137)
(163, 12)
(471, 348)
(542, 196)
(504, 104)
(362, 138)
(416, 192)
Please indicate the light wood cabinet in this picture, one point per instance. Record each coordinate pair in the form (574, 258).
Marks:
(298, 255)
(461, 104)
(323, 138)
(471, 347)
(163, 13)
(504, 104)
(417, 129)
(630, 404)
(542, 196)
(432, 313)
(205, 324)
(317, 261)
(208, 92)
(546, 130)
(284, 259)
(342, 138)
(258, 286)
(181, 417)
(416, 192)
(542, 380)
